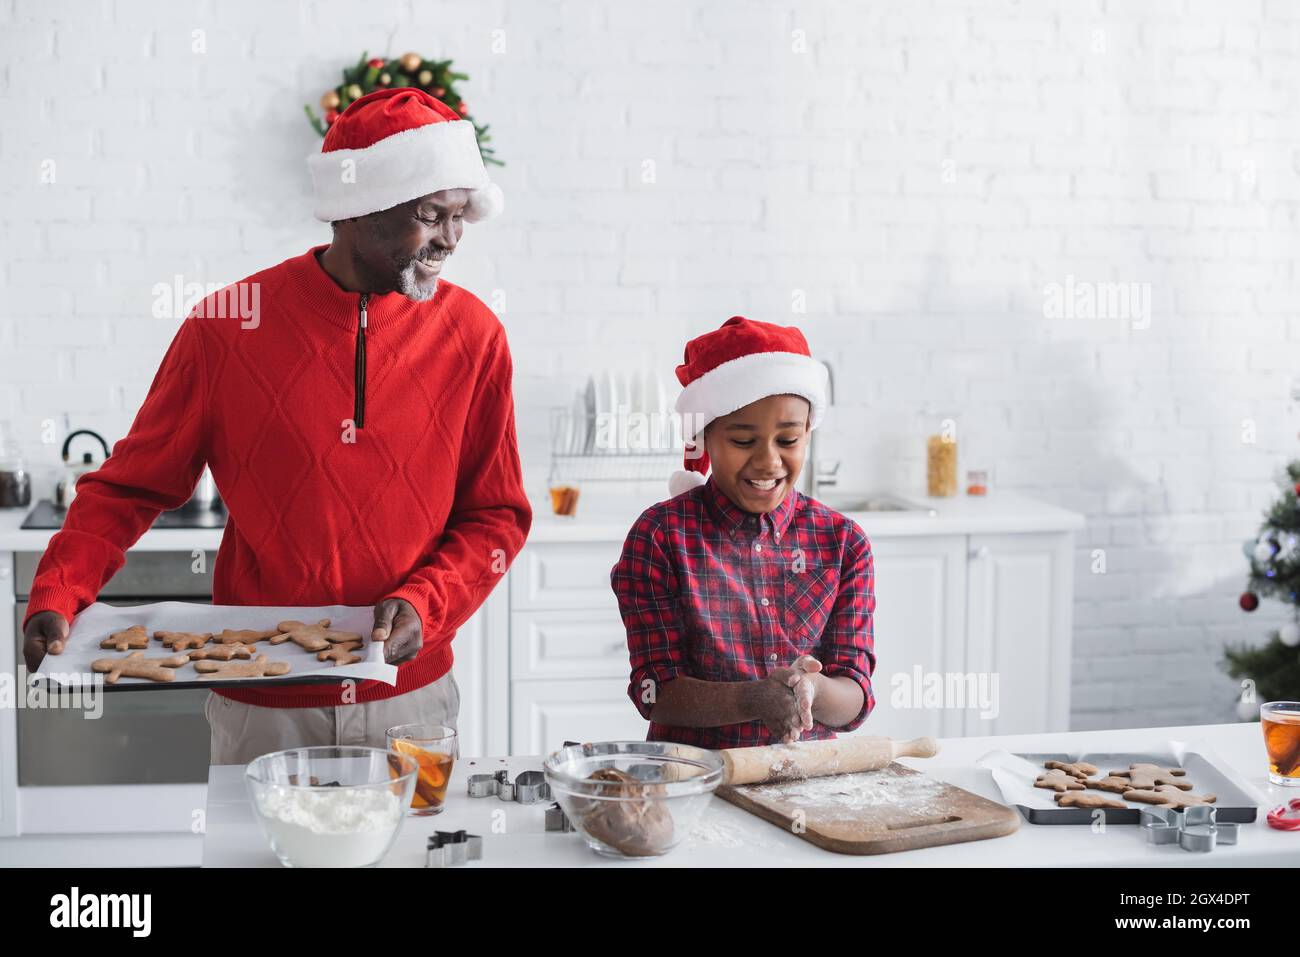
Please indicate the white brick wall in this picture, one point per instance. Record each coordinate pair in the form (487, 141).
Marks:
(920, 171)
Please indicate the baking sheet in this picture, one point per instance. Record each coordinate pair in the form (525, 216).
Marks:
(72, 668)
(1015, 775)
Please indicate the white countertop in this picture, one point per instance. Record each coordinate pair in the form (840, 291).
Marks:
(997, 512)
(729, 836)
(609, 520)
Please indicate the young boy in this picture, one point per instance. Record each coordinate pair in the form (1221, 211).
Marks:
(748, 605)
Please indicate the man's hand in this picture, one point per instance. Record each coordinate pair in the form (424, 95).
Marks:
(398, 626)
(46, 632)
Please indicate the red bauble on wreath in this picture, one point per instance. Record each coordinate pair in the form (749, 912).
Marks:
(1248, 601)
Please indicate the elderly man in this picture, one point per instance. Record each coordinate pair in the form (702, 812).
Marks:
(360, 429)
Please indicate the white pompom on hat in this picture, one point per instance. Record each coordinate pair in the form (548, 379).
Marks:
(393, 146)
(729, 368)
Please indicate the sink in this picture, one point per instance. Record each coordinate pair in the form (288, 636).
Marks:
(880, 502)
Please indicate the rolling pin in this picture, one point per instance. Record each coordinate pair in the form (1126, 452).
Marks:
(811, 759)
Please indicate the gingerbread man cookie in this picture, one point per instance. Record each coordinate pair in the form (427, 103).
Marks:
(259, 667)
(1112, 783)
(133, 637)
(242, 636)
(1077, 799)
(136, 665)
(315, 637)
(1166, 795)
(181, 640)
(1145, 777)
(341, 653)
(1058, 780)
(221, 653)
(1081, 769)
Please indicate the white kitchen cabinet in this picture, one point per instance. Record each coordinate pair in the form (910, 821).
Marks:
(564, 575)
(481, 651)
(1019, 620)
(919, 623)
(582, 643)
(545, 714)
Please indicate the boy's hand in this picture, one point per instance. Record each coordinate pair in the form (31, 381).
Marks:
(804, 679)
(776, 704)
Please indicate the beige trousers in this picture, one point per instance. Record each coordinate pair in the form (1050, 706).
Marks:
(242, 732)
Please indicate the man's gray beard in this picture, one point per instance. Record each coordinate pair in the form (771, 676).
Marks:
(409, 288)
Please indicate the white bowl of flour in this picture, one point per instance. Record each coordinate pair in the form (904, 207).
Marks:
(330, 806)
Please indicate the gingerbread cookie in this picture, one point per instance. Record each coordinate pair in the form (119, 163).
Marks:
(341, 653)
(1077, 799)
(133, 637)
(1058, 780)
(1112, 783)
(1081, 769)
(242, 636)
(181, 640)
(136, 665)
(1145, 777)
(221, 653)
(259, 667)
(315, 637)
(1166, 795)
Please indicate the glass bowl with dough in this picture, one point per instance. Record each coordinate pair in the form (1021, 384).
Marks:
(331, 806)
(632, 799)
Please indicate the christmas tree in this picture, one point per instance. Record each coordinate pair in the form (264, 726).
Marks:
(1274, 556)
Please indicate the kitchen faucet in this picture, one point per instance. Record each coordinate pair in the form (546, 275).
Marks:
(819, 478)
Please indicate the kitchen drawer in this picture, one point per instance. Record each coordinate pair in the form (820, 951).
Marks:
(567, 644)
(545, 714)
(564, 575)
(145, 575)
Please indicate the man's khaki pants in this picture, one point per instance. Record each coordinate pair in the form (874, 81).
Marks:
(242, 732)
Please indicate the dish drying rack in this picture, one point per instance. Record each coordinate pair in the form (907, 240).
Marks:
(616, 450)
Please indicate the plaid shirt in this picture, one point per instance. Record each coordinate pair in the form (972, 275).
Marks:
(717, 593)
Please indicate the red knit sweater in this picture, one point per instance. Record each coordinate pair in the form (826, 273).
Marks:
(424, 501)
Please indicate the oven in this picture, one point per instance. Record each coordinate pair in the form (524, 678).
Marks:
(142, 737)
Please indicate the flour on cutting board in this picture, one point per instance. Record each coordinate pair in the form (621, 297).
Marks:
(844, 796)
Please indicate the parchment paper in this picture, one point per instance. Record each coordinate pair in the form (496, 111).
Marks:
(72, 668)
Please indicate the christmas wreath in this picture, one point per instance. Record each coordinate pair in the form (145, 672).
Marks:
(435, 77)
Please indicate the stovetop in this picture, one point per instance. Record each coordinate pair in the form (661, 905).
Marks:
(46, 514)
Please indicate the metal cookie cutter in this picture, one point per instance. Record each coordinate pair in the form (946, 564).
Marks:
(1194, 829)
(556, 820)
(485, 785)
(528, 787)
(452, 848)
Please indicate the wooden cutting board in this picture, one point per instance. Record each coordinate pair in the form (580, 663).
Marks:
(875, 812)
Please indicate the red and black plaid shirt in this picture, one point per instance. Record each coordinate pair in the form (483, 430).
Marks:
(709, 590)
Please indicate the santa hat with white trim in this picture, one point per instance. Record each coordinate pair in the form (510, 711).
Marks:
(393, 146)
(731, 367)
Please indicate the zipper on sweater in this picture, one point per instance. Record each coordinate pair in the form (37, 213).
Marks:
(359, 400)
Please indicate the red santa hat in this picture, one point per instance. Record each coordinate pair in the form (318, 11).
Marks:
(731, 367)
(393, 146)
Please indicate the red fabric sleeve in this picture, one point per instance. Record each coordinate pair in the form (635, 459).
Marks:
(154, 468)
(491, 515)
(645, 583)
(848, 643)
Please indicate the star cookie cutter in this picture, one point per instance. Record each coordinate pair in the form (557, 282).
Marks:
(452, 848)
(1194, 829)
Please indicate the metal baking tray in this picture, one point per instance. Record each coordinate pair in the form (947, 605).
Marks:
(1232, 804)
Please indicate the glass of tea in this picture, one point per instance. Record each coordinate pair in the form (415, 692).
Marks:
(1281, 722)
(434, 748)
